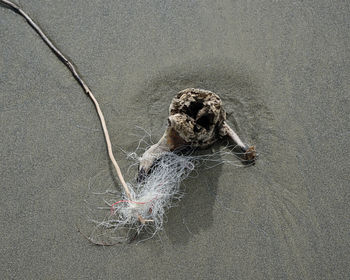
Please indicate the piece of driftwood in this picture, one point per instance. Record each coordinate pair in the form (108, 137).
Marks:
(81, 82)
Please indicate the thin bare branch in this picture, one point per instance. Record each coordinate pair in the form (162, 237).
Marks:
(73, 70)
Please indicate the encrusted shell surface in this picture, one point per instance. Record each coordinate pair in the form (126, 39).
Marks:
(196, 115)
(196, 119)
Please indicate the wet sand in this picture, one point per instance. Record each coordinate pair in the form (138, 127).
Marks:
(282, 70)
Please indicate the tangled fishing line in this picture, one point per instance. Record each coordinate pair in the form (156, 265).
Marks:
(196, 121)
(154, 195)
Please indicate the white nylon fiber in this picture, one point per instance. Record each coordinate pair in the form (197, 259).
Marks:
(155, 194)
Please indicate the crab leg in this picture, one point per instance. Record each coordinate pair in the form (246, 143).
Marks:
(148, 158)
(249, 151)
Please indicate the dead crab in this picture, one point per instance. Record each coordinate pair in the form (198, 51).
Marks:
(196, 119)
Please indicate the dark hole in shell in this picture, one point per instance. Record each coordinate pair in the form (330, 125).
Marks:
(193, 109)
(205, 121)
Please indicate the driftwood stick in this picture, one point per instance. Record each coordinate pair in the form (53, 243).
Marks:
(76, 75)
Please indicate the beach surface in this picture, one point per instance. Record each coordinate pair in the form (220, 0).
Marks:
(282, 70)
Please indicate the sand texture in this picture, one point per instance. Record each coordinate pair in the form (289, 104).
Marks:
(281, 69)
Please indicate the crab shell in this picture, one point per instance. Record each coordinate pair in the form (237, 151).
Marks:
(195, 118)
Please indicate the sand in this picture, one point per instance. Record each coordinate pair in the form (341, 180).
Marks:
(282, 71)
